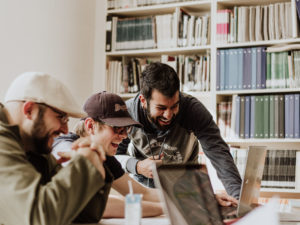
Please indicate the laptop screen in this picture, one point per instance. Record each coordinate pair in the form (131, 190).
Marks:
(252, 179)
(188, 195)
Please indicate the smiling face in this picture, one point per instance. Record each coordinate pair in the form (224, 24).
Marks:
(105, 136)
(46, 126)
(161, 110)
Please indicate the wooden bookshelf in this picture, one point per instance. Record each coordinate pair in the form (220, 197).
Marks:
(213, 97)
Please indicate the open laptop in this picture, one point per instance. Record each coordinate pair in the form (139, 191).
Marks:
(188, 195)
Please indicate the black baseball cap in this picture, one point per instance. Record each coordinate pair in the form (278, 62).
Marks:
(110, 109)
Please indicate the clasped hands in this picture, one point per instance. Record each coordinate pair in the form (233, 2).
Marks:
(88, 149)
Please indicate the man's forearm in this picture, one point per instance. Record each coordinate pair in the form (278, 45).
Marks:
(151, 195)
(115, 208)
(128, 163)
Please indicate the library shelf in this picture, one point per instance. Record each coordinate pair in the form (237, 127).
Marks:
(231, 3)
(160, 51)
(162, 8)
(263, 140)
(213, 97)
(259, 43)
(259, 91)
(281, 193)
(198, 94)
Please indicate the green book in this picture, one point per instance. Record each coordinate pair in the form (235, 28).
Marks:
(285, 70)
(271, 117)
(278, 82)
(276, 116)
(281, 116)
(259, 110)
(266, 106)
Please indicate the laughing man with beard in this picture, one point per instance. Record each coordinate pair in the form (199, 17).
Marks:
(173, 124)
(35, 189)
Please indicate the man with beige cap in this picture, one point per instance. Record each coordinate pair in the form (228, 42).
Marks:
(34, 188)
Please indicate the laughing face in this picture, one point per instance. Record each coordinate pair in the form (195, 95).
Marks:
(47, 125)
(108, 138)
(161, 110)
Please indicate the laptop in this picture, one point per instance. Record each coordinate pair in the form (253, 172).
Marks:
(188, 195)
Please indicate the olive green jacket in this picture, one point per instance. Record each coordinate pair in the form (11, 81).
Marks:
(34, 189)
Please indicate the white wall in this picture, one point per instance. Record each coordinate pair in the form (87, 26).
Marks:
(53, 36)
(99, 56)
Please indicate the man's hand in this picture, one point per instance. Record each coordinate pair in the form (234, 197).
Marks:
(86, 147)
(226, 200)
(144, 167)
(88, 142)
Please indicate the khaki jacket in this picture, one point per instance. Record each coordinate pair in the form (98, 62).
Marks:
(34, 189)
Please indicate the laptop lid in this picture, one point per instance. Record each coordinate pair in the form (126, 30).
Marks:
(187, 194)
(252, 179)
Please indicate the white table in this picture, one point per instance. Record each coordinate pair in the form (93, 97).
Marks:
(160, 220)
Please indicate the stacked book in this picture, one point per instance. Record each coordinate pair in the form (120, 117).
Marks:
(263, 116)
(241, 68)
(258, 68)
(161, 31)
(257, 23)
(193, 30)
(123, 77)
(279, 170)
(132, 33)
(224, 117)
(193, 71)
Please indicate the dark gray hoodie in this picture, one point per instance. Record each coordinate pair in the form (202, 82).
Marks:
(179, 144)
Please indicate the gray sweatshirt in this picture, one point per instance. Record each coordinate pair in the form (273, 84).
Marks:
(180, 143)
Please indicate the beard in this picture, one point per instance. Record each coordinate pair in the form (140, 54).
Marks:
(155, 121)
(39, 141)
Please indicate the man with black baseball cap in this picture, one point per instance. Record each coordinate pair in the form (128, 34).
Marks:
(107, 124)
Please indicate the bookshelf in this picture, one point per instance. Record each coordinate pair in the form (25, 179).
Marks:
(212, 97)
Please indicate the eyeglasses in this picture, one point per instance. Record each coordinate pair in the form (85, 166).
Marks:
(122, 130)
(63, 117)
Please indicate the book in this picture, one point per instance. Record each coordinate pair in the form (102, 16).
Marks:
(242, 117)
(254, 67)
(240, 65)
(259, 109)
(287, 113)
(281, 116)
(266, 22)
(108, 30)
(266, 105)
(291, 115)
(222, 69)
(295, 22)
(247, 67)
(277, 27)
(238, 114)
(272, 117)
(276, 116)
(233, 121)
(297, 116)
(252, 21)
(252, 116)
(298, 8)
(258, 23)
(247, 116)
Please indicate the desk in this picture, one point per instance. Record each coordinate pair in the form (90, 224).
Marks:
(160, 220)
